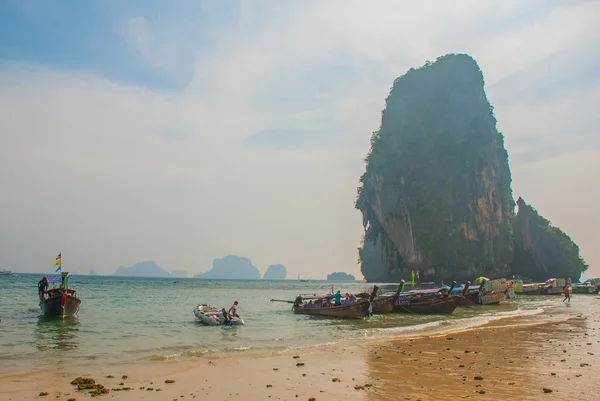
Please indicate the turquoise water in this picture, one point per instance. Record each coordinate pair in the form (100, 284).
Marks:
(131, 319)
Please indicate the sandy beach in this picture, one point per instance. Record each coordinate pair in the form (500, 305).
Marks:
(553, 356)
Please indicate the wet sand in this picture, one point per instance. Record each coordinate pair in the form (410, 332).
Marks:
(510, 358)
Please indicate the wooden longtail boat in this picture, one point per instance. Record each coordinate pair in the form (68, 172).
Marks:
(471, 298)
(433, 301)
(61, 302)
(385, 304)
(320, 306)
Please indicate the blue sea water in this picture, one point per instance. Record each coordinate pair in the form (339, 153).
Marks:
(133, 319)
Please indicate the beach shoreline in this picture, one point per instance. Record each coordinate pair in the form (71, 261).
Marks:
(506, 358)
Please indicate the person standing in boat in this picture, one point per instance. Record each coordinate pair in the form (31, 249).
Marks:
(338, 298)
(43, 287)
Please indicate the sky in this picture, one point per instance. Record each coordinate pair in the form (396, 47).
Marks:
(185, 131)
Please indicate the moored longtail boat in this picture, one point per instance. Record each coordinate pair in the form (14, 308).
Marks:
(553, 286)
(493, 291)
(322, 306)
(61, 302)
(432, 301)
(385, 304)
(471, 295)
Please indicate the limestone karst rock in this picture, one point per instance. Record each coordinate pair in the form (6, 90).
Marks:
(542, 250)
(275, 272)
(436, 191)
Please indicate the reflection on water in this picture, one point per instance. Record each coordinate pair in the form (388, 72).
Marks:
(56, 334)
(229, 333)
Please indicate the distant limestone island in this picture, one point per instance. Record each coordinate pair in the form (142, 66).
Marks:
(147, 269)
(235, 267)
(340, 276)
(230, 267)
(275, 272)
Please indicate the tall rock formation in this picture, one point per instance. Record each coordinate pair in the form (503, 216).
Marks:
(542, 250)
(436, 191)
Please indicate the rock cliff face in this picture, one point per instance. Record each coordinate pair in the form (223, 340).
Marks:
(436, 192)
(372, 263)
(543, 251)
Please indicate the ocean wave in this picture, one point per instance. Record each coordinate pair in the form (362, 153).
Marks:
(451, 326)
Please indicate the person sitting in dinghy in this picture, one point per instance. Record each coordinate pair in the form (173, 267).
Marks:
(233, 310)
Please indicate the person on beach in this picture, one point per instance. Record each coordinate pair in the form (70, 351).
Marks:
(567, 294)
(338, 298)
(43, 287)
(233, 310)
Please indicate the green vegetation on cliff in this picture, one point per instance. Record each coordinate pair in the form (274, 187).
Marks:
(542, 250)
(436, 191)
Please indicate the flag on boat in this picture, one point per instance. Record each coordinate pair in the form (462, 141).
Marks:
(58, 262)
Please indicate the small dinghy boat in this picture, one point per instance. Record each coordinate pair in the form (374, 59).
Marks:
(211, 316)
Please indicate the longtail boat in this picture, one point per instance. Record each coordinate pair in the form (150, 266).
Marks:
(553, 286)
(60, 302)
(493, 291)
(385, 303)
(321, 306)
(432, 301)
(471, 296)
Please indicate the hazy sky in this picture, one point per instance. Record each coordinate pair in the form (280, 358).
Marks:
(188, 130)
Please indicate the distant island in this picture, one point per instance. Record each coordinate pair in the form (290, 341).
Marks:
(231, 267)
(142, 269)
(340, 276)
(275, 272)
(92, 273)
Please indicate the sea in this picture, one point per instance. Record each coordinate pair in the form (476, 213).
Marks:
(149, 320)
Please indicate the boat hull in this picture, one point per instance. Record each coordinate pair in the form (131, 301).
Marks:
(469, 299)
(357, 310)
(53, 306)
(437, 306)
(383, 305)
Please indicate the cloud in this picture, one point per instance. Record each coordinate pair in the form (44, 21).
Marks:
(138, 36)
(200, 129)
